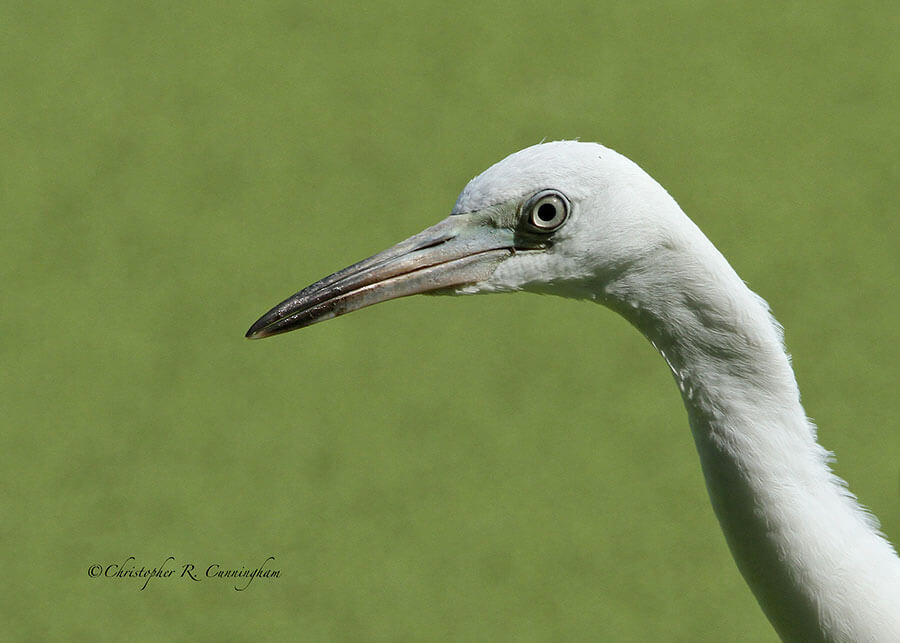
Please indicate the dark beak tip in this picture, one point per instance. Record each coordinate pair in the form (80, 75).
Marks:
(256, 331)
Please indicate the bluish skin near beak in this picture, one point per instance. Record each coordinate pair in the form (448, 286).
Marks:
(461, 249)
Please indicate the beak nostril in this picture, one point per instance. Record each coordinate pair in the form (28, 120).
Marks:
(436, 243)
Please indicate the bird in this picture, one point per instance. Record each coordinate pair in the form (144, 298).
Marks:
(579, 220)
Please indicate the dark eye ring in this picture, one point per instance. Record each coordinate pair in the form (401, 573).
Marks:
(547, 210)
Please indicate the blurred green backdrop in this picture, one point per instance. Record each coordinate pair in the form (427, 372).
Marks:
(501, 468)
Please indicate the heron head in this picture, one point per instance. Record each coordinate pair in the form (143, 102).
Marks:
(553, 218)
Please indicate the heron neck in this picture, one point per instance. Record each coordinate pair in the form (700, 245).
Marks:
(813, 558)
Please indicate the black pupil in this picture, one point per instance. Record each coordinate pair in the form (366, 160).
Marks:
(546, 212)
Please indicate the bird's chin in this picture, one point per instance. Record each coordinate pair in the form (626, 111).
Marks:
(452, 291)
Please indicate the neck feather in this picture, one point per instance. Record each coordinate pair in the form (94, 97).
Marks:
(812, 556)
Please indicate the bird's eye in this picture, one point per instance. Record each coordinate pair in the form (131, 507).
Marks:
(547, 210)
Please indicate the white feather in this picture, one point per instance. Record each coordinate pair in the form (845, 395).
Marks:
(812, 556)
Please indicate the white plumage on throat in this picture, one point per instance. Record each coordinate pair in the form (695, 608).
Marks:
(813, 557)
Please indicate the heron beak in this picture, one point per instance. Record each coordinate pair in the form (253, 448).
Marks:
(461, 249)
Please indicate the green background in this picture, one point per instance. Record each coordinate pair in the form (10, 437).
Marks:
(483, 468)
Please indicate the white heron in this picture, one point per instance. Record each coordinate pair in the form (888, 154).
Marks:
(580, 220)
